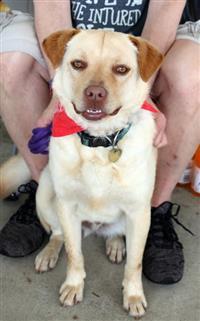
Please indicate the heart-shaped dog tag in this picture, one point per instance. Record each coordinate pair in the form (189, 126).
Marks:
(114, 154)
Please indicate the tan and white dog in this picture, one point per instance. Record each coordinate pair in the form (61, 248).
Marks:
(101, 80)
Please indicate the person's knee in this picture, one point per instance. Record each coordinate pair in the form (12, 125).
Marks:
(179, 82)
(15, 70)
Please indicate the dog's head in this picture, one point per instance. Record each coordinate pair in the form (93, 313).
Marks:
(101, 77)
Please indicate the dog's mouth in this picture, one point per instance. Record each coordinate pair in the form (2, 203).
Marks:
(95, 113)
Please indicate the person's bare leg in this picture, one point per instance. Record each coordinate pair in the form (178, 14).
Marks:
(24, 95)
(178, 96)
(178, 92)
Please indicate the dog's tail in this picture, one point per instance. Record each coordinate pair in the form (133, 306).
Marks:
(13, 173)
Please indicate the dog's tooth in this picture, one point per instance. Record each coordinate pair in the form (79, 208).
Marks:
(94, 111)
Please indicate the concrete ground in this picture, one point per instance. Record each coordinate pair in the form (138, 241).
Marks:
(28, 296)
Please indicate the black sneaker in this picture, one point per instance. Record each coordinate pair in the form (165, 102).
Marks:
(163, 260)
(12, 197)
(23, 233)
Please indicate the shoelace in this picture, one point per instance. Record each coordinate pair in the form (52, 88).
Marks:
(162, 232)
(26, 213)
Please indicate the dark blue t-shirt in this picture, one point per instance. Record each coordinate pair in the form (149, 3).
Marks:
(191, 11)
(126, 16)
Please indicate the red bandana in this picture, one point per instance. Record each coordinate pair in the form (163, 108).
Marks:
(64, 126)
(149, 107)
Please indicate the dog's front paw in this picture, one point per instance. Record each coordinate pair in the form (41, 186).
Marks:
(46, 259)
(135, 304)
(115, 249)
(71, 294)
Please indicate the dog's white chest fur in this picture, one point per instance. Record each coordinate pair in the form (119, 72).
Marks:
(98, 189)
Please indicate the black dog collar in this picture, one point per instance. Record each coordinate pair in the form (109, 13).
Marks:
(104, 141)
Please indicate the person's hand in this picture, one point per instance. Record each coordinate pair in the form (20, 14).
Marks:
(160, 138)
(47, 116)
(39, 141)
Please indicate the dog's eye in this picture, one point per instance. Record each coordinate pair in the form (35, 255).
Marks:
(120, 69)
(79, 64)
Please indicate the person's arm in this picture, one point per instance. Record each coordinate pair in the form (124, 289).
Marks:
(160, 29)
(162, 22)
(51, 16)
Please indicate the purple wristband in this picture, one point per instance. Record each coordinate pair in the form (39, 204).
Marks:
(39, 142)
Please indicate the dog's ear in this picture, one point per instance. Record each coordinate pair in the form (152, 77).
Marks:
(149, 58)
(54, 46)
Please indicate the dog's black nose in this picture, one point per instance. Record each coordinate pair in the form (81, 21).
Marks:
(95, 93)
